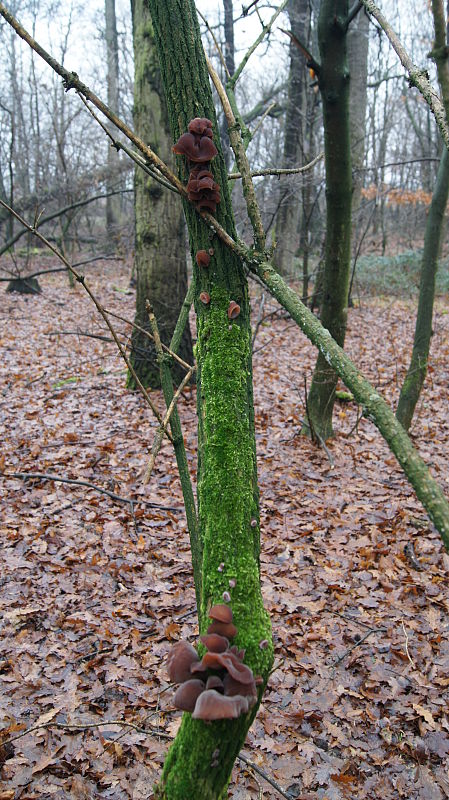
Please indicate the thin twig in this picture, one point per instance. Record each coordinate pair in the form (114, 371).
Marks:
(150, 336)
(265, 29)
(357, 644)
(406, 645)
(418, 77)
(42, 476)
(136, 157)
(241, 160)
(72, 81)
(85, 726)
(162, 428)
(274, 171)
(264, 775)
(217, 46)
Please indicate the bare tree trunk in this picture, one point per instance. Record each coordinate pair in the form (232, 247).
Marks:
(334, 88)
(287, 222)
(160, 249)
(113, 202)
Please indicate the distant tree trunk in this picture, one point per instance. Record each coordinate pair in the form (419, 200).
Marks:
(416, 374)
(358, 45)
(287, 222)
(112, 203)
(417, 370)
(200, 760)
(160, 247)
(229, 56)
(334, 88)
(358, 41)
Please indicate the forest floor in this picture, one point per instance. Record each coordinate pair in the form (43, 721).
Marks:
(94, 591)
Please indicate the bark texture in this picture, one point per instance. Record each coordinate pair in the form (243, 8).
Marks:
(287, 222)
(112, 203)
(227, 478)
(160, 252)
(334, 88)
(417, 371)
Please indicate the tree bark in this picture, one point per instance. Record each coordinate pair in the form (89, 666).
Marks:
(113, 202)
(227, 477)
(287, 222)
(160, 250)
(334, 88)
(417, 371)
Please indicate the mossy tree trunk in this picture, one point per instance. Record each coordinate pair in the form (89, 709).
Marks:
(287, 222)
(417, 371)
(334, 88)
(160, 250)
(227, 477)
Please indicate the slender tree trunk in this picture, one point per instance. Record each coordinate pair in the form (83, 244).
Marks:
(358, 42)
(160, 249)
(416, 374)
(227, 478)
(112, 203)
(287, 222)
(334, 88)
(417, 370)
(229, 56)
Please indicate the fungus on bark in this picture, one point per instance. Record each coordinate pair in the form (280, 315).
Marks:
(212, 705)
(201, 126)
(197, 146)
(202, 258)
(180, 660)
(233, 310)
(200, 150)
(215, 643)
(205, 298)
(214, 682)
(227, 629)
(221, 613)
(187, 694)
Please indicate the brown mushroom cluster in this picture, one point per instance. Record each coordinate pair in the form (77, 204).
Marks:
(220, 685)
(197, 146)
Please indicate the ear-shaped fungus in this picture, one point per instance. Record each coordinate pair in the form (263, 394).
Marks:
(202, 258)
(214, 682)
(221, 613)
(233, 310)
(196, 149)
(226, 629)
(201, 126)
(215, 643)
(199, 149)
(180, 659)
(187, 694)
(212, 705)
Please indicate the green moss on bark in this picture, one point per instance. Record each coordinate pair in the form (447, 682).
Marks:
(227, 475)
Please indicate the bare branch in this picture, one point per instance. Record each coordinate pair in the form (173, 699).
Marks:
(418, 77)
(274, 171)
(42, 476)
